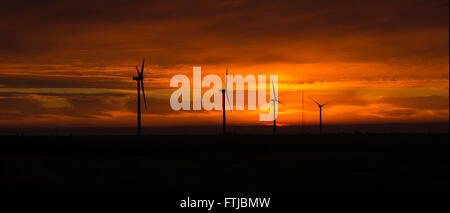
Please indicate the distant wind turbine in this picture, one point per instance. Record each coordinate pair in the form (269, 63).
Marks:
(320, 107)
(274, 100)
(140, 85)
(225, 93)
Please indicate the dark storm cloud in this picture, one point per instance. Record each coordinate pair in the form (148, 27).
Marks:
(397, 112)
(15, 106)
(421, 102)
(76, 77)
(26, 81)
(87, 106)
(186, 32)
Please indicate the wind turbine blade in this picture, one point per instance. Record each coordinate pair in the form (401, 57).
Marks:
(326, 104)
(280, 102)
(142, 69)
(274, 94)
(226, 79)
(137, 69)
(143, 94)
(226, 87)
(314, 101)
(228, 99)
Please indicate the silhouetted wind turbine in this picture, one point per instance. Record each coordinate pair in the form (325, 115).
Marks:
(140, 85)
(225, 93)
(274, 100)
(320, 107)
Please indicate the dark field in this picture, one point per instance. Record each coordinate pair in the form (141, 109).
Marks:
(298, 164)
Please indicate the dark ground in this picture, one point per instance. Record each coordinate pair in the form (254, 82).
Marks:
(297, 164)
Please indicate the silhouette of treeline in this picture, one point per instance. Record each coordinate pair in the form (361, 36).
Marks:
(216, 130)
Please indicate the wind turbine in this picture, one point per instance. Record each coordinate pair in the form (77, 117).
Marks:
(225, 93)
(140, 85)
(274, 100)
(320, 107)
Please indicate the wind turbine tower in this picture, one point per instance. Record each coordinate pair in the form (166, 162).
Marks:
(275, 101)
(140, 86)
(320, 108)
(225, 94)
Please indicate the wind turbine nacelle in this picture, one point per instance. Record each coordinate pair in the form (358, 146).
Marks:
(138, 79)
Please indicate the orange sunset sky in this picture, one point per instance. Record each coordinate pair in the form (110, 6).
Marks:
(71, 63)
